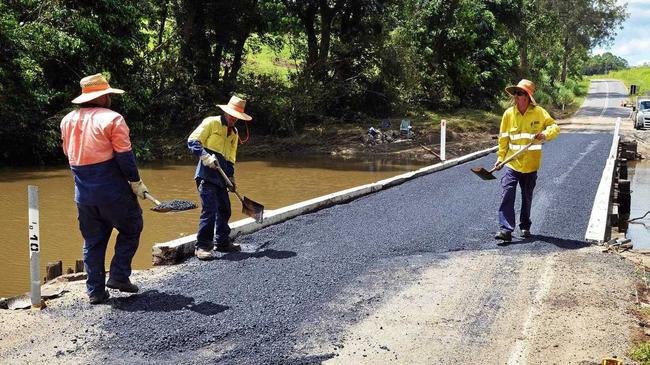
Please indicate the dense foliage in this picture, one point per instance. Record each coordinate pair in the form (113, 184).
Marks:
(602, 64)
(177, 59)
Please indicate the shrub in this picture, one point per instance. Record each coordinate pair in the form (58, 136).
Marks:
(564, 97)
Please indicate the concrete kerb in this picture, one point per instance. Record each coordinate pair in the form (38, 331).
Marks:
(172, 252)
(598, 227)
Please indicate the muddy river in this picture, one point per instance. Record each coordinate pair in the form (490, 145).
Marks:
(639, 230)
(275, 184)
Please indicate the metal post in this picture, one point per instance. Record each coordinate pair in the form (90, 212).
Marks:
(443, 139)
(34, 246)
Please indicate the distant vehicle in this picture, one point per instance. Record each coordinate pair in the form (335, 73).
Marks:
(641, 113)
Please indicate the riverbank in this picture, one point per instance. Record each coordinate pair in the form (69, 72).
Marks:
(467, 131)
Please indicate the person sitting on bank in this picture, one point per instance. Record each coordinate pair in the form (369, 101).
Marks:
(215, 142)
(97, 143)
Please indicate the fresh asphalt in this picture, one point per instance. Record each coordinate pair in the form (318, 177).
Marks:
(302, 282)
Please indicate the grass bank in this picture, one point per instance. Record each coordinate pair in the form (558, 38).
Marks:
(639, 76)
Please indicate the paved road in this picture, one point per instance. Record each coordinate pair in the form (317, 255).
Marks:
(302, 283)
(601, 107)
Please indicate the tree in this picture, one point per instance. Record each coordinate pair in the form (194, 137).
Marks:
(458, 48)
(584, 24)
(603, 63)
(47, 48)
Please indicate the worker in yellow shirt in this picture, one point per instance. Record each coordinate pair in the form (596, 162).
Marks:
(521, 124)
(215, 142)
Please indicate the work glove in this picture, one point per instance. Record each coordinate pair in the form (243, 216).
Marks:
(139, 188)
(497, 165)
(209, 160)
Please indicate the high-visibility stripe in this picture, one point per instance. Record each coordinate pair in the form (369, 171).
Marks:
(515, 137)
(517, 147)
(502, 135)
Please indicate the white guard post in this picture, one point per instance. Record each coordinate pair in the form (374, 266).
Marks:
(443, 139)
(34, 246)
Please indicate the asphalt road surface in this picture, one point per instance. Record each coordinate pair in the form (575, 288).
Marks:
(297, 287)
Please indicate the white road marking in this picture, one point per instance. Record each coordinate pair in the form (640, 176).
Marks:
(606, 99)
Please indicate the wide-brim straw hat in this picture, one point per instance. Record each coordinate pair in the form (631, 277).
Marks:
(526, 86)
(235, 108)
(93, 87)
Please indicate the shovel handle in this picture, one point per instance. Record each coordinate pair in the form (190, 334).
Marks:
(150, 197)
(228, 182)
(514, 155)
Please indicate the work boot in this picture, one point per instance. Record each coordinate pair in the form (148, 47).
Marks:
(504, 236)
(525, 233)
(227, 247)
(99, 298)
(126, 287)
(204, 255)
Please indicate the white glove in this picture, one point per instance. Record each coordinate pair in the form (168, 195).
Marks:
(209, 160)
(139, 188)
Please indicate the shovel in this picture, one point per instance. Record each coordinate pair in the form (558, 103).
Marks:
(487, 174)
(169, 206)
(250, 208)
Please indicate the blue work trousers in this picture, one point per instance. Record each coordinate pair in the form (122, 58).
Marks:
(215, 213)
(96, 223)
(509, 183)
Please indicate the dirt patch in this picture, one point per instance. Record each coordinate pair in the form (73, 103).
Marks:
(555, 308)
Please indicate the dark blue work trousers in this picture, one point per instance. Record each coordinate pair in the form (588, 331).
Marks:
(96, 223)
(215, 213)
(509, 183)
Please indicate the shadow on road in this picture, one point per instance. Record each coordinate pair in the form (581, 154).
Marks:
(155, 301)
(272, 254)
(559, 242)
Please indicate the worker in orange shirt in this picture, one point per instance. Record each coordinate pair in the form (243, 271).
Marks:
(97, 143)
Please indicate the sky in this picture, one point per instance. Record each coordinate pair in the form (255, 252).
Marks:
(633, 41)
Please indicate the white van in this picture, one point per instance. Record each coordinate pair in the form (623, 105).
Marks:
(641, 113)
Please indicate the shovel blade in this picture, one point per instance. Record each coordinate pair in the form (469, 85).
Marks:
(253, 209)
(483, 173)
(175, 205)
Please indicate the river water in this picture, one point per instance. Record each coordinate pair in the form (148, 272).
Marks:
(274, 183)
(639, 230)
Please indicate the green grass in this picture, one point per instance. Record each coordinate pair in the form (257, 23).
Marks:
(466, 120)
(641, 353)
(639, 76)
(268, 61)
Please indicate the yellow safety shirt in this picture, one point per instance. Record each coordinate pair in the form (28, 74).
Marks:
(213, 135)
(518, 130)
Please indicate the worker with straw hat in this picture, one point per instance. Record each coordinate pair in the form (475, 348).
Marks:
(97, 143)
(521, 124)
(215, 142)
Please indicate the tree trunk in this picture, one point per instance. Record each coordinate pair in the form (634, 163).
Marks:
(523, 58)
(327, 16)
(163, 19)
(308, 19)
(217, 57)
(229, 83)
(195, 47)
(565, 59)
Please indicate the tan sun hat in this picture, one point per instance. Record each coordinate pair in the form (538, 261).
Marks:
(93, 87)
(235, 108)
(526, 86)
